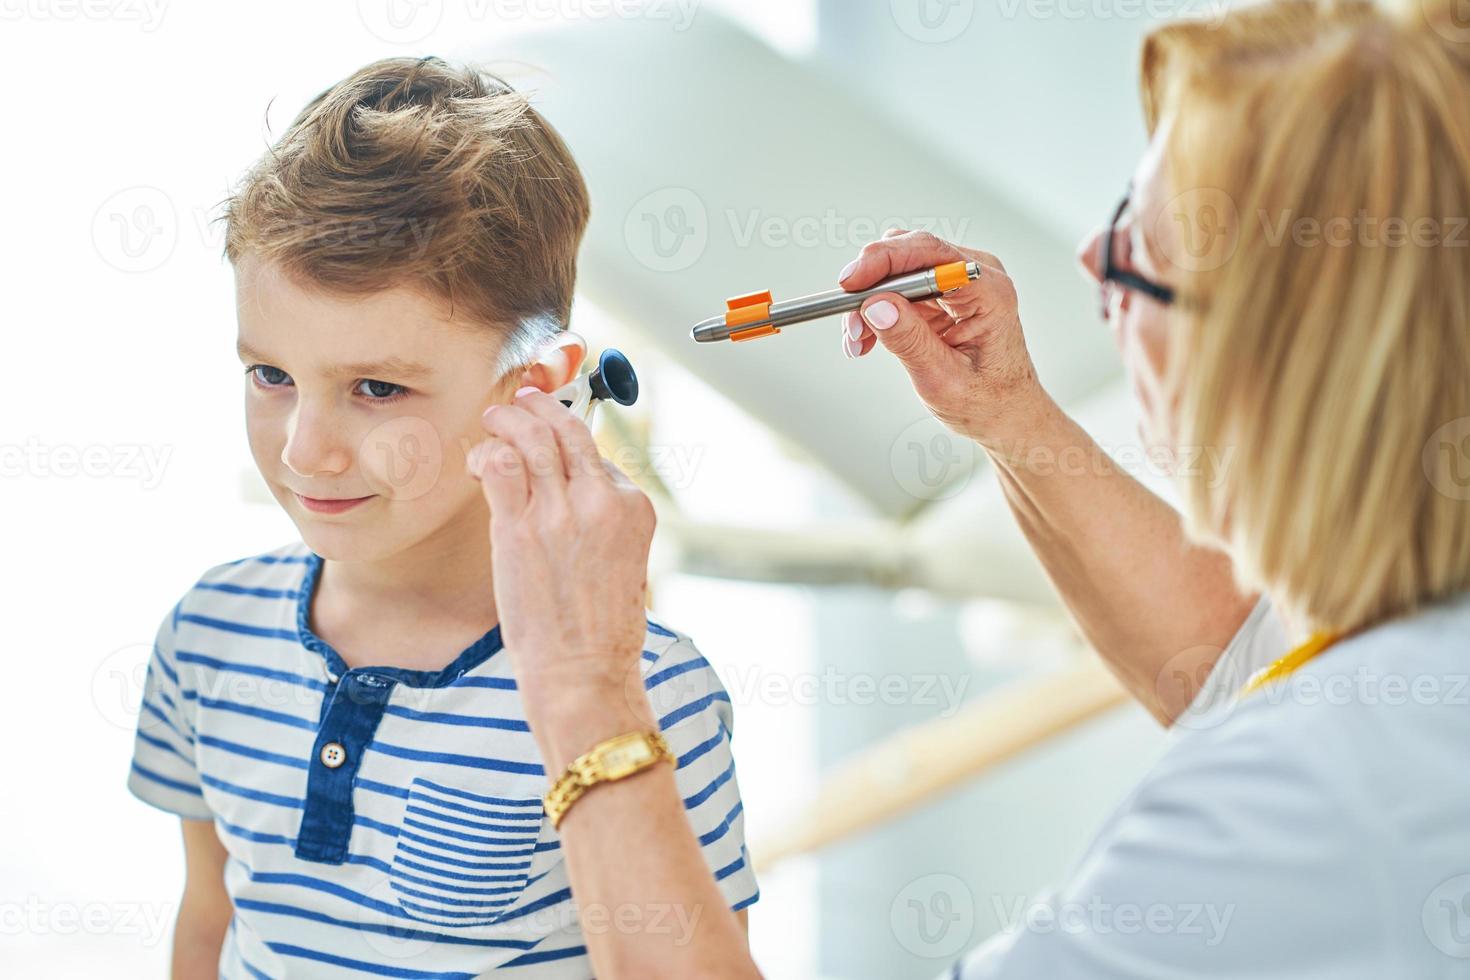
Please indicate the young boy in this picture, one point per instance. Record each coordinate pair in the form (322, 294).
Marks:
(335, 720)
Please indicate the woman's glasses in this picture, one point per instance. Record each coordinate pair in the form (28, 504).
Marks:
(1115, 280)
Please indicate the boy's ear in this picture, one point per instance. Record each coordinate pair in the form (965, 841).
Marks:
(557, 363)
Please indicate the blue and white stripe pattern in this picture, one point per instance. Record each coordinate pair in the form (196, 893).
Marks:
(386, 821)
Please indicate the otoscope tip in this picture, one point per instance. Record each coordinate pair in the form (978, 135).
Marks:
(614, 378)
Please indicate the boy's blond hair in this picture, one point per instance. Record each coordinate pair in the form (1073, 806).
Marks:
(1329, 363)
(413, 172)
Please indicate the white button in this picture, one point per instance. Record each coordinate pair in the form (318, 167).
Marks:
(333, 755)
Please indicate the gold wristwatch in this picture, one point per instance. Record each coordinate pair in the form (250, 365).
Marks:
(613, 759)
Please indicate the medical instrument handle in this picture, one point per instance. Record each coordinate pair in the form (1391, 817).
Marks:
(756, 315)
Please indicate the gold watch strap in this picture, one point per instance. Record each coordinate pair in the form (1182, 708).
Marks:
(609, 760)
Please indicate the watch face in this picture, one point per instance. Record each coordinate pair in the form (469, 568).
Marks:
(625, 758)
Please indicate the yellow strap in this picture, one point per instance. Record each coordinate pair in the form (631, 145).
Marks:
(1283, 667)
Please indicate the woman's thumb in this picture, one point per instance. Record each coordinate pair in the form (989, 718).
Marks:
(904, 333)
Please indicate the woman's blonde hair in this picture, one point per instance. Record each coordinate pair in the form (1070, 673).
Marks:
(1319, 153)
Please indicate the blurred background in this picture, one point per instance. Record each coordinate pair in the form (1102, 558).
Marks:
(850, 569)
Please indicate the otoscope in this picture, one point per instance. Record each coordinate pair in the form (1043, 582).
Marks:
(757, 315)
(612, 379)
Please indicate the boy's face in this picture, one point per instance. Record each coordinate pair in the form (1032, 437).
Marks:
(376, 397)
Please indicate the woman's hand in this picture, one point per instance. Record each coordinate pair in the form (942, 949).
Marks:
(569, 538)
(569, 535)
(965, 353)
(1138, 588)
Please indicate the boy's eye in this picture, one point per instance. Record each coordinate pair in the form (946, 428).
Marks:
(267, 376)
(381, 390)
(377, 391)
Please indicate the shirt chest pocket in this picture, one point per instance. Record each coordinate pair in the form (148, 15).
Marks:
(462, 859)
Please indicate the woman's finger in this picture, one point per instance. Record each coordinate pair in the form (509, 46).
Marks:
(938, 318)
(906, 252)
(992, 292)
(544, 467)
(616, 474)
(854, 332)
(858, 338)
(502, 476)
(578, 449)
(965, 331)
(907, 335)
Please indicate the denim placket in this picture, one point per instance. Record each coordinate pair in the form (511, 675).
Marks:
(350, 719)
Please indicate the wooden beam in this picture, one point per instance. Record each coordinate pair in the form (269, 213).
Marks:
(912, 767)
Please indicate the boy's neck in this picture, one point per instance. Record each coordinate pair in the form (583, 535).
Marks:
(422, 578)
(440, 583)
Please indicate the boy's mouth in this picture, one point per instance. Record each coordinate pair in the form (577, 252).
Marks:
(329, 505)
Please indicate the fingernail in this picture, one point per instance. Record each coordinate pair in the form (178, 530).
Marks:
(847, 270)
(881, 315)
(526, 390)
(853, 325)
(851, 347)
(472, 461)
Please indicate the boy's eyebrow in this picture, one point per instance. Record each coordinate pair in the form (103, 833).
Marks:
(394, 367)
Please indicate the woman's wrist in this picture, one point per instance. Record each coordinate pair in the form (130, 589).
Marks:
(567, 722)
(1035, 425)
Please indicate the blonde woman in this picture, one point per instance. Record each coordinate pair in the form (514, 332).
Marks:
(1289, 283)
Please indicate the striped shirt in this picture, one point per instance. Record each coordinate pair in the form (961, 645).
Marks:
(387, 821)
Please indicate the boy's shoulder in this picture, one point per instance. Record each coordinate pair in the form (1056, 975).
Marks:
(276, 573)
(679, 680)
(283, 560)
(659, 636)
(665, 647)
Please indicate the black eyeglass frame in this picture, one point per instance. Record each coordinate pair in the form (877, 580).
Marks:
(1121, 277)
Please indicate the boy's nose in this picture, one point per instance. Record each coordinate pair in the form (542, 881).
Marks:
(313, 447)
